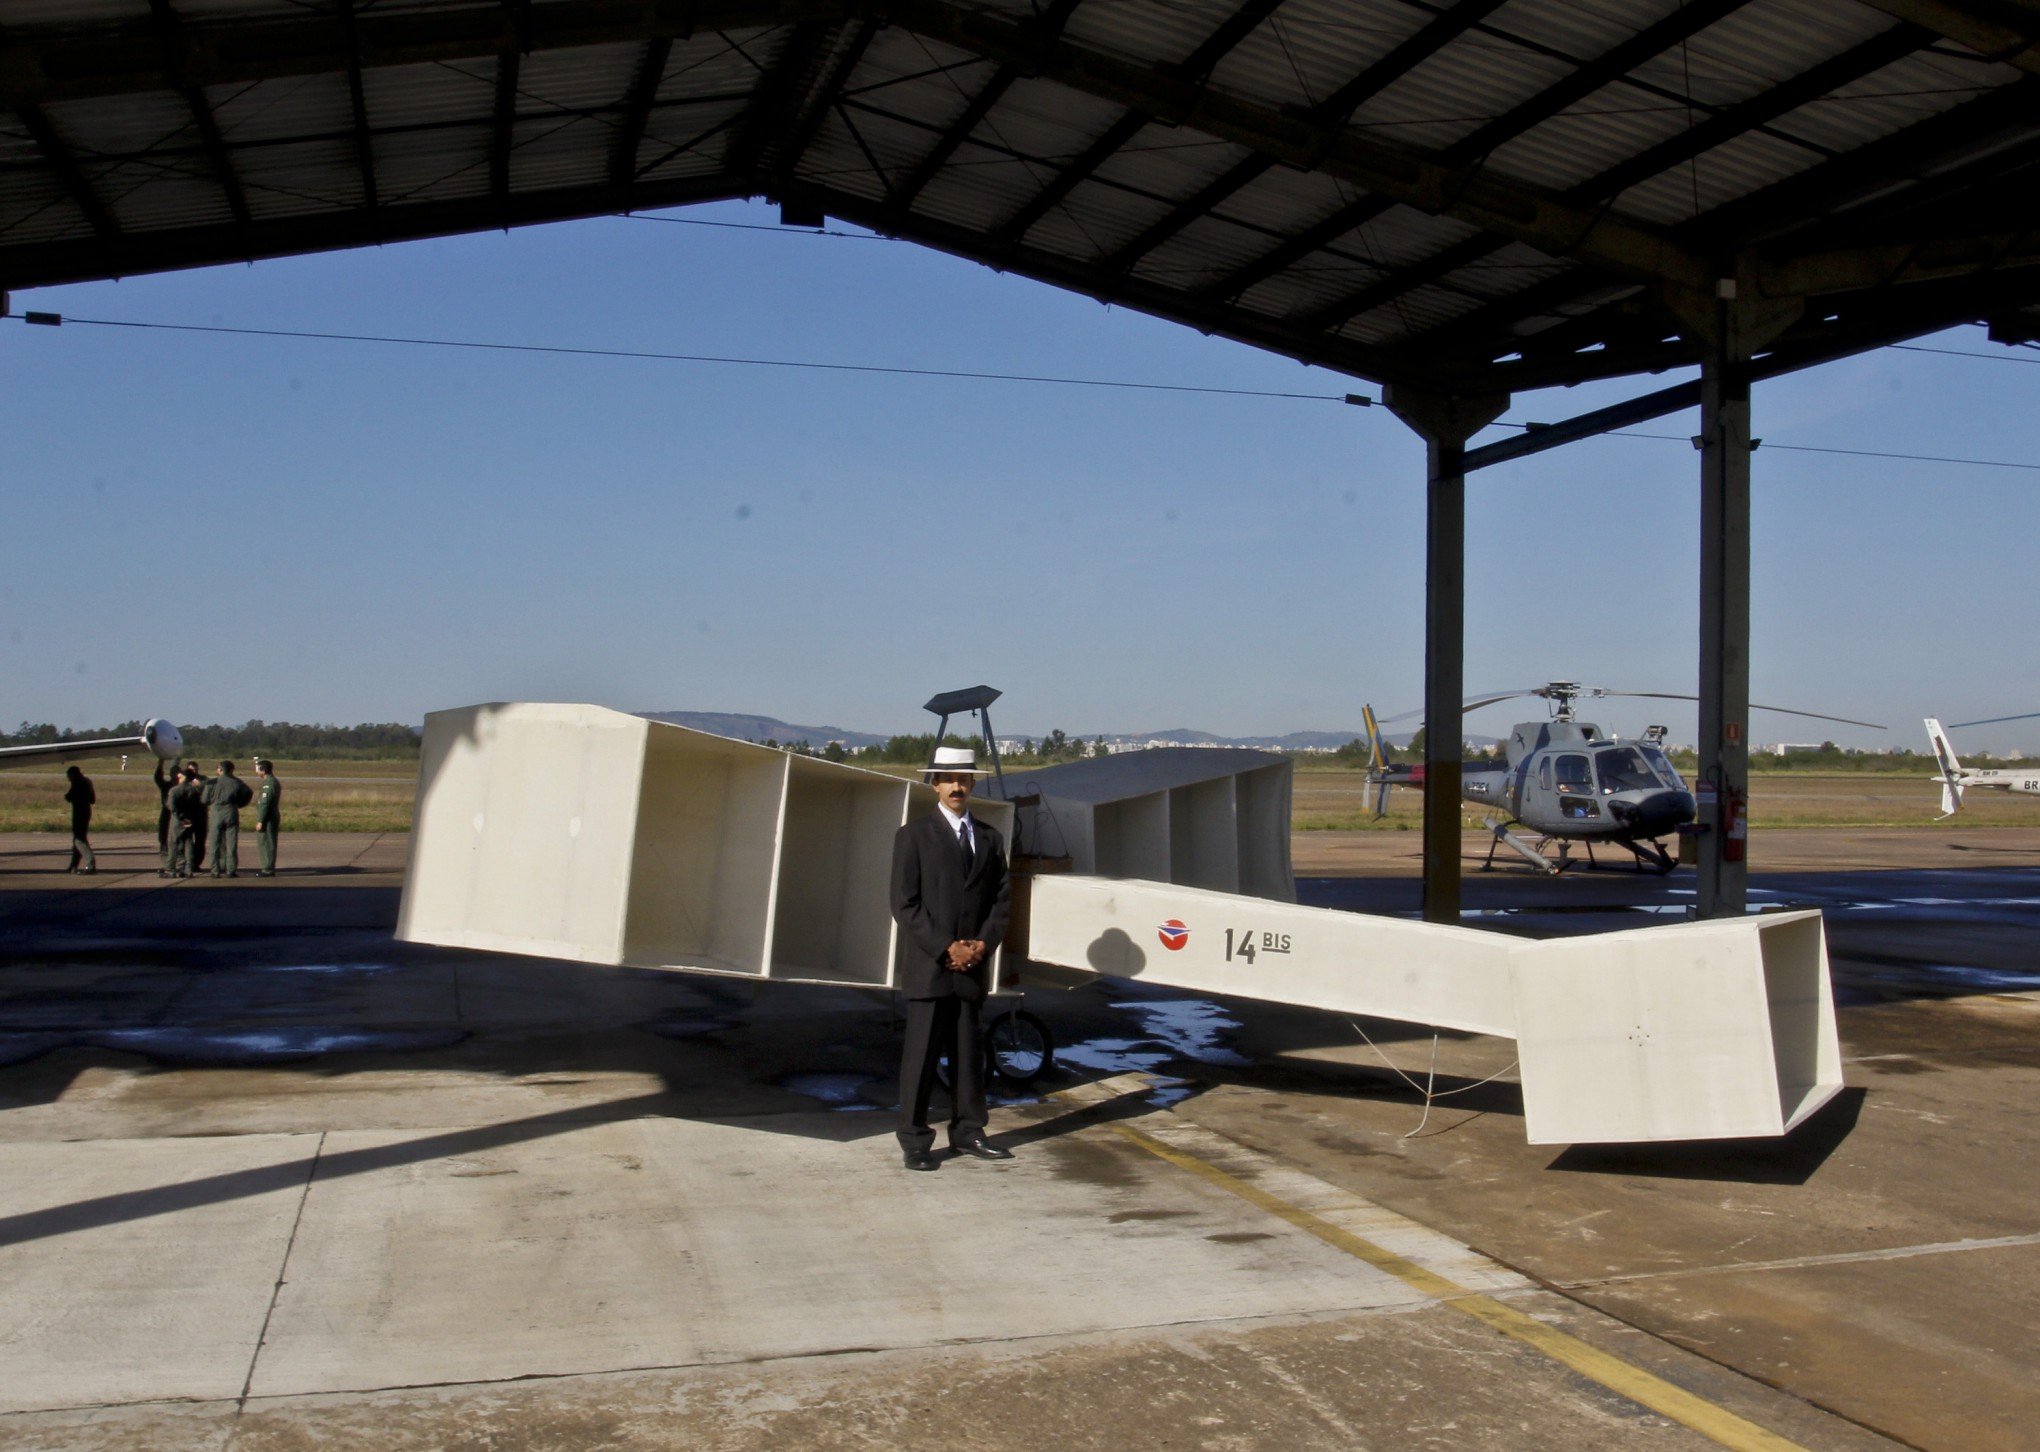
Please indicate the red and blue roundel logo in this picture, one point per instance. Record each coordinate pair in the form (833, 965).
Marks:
(1173, 935)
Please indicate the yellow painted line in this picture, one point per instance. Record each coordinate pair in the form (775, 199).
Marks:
(1619, 1376)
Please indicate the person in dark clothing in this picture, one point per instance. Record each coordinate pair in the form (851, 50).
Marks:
(225, 795)
(268, 813)
(187, 806)
(164, 781)
(950, 896)
(81, 797)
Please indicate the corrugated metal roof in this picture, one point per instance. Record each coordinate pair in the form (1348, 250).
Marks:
(1407, 191)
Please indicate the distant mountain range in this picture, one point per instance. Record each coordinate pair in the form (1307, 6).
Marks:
(764, 728)
(771, 728)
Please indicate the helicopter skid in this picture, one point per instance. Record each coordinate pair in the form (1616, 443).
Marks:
(1531, 852)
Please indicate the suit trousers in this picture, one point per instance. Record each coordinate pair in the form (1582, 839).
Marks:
(936, 1026)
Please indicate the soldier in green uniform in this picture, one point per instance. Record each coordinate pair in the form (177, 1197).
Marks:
(268, 813)
(187, 808)
(81, 797)
(225, 795)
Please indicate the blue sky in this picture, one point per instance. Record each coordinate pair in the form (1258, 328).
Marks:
(214, 527)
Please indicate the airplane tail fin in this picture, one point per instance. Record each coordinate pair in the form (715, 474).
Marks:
(1951, 768)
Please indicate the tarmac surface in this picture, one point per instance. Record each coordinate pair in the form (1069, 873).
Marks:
(270, 1179)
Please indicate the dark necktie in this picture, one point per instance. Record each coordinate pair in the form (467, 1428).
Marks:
(963, 840)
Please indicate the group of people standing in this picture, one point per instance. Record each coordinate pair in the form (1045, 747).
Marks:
(201, 819)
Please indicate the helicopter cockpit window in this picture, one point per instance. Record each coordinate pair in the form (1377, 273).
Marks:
(1662, 764)
(1623, 769)
(1544, 774)
(1575, 774)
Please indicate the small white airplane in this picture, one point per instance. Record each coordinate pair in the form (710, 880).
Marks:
(1955, 778)
(159, 739)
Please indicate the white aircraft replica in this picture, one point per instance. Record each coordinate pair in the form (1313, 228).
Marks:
(1955, 778)
(158, 739)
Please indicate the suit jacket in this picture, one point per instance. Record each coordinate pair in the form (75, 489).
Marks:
(937, 901)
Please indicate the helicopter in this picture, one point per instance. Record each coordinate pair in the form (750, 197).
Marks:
(1955, 778)
(1567, 781)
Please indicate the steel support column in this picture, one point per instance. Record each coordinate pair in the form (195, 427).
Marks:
(1445, 423)
(1724, 689)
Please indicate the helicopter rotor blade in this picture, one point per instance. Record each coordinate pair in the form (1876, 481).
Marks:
(1471, 703)
(1759, 706)
(1994, 720)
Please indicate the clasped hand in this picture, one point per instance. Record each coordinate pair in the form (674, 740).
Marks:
(964, 954)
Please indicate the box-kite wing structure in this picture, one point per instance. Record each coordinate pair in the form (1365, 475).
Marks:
(570, 831)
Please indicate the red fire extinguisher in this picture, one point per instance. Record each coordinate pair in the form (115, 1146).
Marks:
(1735, 827)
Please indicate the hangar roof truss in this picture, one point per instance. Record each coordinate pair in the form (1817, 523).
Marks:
(1469, 196)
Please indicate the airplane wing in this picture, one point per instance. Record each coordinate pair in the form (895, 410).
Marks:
(159, 739)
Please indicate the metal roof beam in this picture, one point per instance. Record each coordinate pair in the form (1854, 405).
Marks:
(1194, 71)
(504, 126)
(70, 260)
(1407, 174)
(1070, 174)
(42, 64)
(778, 99)
(1786, 357)
(1854, 269)
(1053, 268)
(1401, 281)
(68, 171)
(637, 109)
(1336, 110)
(1724, 125)
(1047, 27)
(1684, 23)
(824, 95)
(1315, 238)
(1828, 329)
(1874, 167)
(2000, 32)
(167, 32)
(357, 95)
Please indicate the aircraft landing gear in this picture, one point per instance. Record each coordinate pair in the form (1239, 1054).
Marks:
(1503, 837)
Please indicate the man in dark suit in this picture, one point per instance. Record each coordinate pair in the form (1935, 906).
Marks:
(949, 896)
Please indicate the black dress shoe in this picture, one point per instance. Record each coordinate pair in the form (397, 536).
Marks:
(981, 1149)
(922, 1160)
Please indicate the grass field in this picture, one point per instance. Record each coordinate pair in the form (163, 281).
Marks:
(318, 796)
(376, 796)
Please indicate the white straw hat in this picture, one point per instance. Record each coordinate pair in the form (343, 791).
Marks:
(954, 761)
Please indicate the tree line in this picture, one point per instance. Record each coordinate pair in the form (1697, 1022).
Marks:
(294, 740)
(912, 750)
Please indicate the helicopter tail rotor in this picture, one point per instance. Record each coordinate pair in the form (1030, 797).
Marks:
(1377, 763)
(1951, 768)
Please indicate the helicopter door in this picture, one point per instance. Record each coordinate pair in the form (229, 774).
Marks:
(1575, 777)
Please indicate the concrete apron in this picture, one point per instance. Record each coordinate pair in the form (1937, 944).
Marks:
(261, 1275)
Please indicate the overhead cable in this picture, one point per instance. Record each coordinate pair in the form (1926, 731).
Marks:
(1362, 400)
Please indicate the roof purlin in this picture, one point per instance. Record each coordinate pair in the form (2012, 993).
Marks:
(70, 260)
(357, 95)
(1410, 176)
(1195, 71)
(1357, 359)
(1688, 145)
(1336, 110)
(76, 184)
(128, 59)
(1986, 35)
